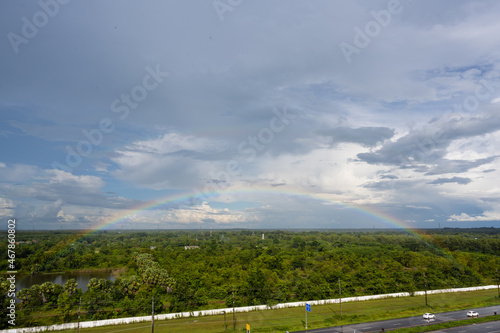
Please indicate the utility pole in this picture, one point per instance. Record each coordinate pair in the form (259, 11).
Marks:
(234, 319)
(225, 325)
(79, 307)
(340, 298)
(153, 315)
(425, 286)
(498, 284)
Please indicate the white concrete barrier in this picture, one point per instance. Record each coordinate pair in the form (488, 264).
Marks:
(119, 321)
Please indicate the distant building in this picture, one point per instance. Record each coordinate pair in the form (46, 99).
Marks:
(262, 236)
(191, 247)
(152, 247)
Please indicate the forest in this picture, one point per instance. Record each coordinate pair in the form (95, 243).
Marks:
(201, 269)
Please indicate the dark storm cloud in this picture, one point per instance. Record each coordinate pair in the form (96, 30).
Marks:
(365, 136)
(428, 145)
(458, 166)
(388, 177)
(458, 180)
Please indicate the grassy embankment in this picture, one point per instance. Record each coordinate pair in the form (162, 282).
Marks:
(321, 316)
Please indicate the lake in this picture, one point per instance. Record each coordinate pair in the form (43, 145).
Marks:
(82, 278)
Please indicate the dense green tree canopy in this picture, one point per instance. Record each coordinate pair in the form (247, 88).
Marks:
(285, 266)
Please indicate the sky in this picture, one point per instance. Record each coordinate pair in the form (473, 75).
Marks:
(249, 114)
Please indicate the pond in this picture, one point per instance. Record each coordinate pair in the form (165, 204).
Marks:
(82, 278)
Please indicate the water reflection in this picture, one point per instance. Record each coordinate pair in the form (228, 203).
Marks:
(82, 278)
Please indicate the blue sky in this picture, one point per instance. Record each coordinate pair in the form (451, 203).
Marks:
(290, 113)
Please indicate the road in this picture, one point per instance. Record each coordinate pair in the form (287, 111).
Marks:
(491, 327)
(393, 324)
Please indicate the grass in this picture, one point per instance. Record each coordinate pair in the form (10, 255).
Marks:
(293, 319)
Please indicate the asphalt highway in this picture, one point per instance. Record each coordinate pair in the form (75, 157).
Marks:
(492, 327)
(393, 324)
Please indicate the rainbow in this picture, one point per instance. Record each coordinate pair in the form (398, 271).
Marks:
(284, 191)
(197, 197)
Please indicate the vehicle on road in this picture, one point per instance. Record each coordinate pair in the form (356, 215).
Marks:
(429, 316)
(472, 314)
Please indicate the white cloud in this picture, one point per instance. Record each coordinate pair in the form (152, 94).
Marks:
(170, 161)
(102, 167)
(367, 132)
(17, 172)
(418, 207)
(6, 207)
(49, 211)
(486, 216)
(188, 216)
(89, 183)
(205, 213)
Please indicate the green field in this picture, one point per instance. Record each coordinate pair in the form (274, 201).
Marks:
(321, 316)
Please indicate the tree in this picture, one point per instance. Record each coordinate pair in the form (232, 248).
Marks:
(258, 289)
(71, 287)
(185, 296)
(68, 299)
(100, 286)
(31, 298)
(50, 292)
(4, 301)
